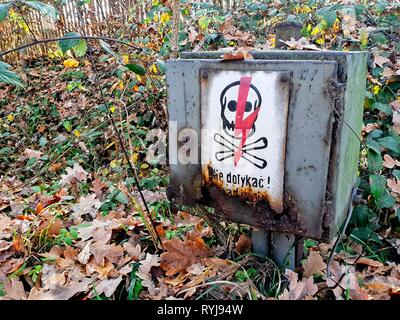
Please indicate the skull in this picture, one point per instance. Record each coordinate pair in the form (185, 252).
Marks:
(228, 100)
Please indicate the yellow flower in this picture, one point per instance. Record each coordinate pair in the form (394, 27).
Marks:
(77, 133)
(125, 58)
(153, 68)
(10, 117)
(155, 18)
(71, 63)
(376, 89)
(165, 17)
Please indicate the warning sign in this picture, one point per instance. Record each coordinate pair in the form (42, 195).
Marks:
(244, 125)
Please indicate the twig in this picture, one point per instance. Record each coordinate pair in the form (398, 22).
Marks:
(47, 40)
(175, 29)
(154, 235)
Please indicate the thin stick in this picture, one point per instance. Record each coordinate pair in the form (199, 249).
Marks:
(155, 236)
(40, 41)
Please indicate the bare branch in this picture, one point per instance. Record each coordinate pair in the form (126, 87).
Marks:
(41, 41)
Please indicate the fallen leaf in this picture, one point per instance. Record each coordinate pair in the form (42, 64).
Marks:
(243, 244)
(73, 174)
(380, 60)
(239, 55)
(181, 255)
(369, 262)
(314, 265)
(14, 288)
(394, 185)
(107, 287)
(33, 154)
(298, 290)
(389, 162)
(86, 205)
(144, 271)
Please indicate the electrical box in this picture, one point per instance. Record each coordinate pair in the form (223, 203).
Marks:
(271, 142)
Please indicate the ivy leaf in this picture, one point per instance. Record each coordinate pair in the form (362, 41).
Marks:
(122, 198)
(377, 186)
(390, 143)
(375, 161)
(45, 8)
(81, 48)
(328, 14)
(136, 69)
(69, 44)
(8, 76)
(4, 9)
(385, 108)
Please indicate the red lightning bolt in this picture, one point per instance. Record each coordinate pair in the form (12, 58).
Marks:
(243, 126)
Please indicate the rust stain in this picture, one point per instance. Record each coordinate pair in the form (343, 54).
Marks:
(244, 193)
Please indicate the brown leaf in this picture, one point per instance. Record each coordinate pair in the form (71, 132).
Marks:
(298, 290)
(314, 265)
(14, 288)
(11, 265)
(389, 162)
(107, 287)
(243, 244)
(394, 185)
(97, 187)
(101, 250)
(380, 60)
(33, 154)
(370, 262)
(144, 271)
(370, 127)
(73, 174)
(238, 55)
(181, 255)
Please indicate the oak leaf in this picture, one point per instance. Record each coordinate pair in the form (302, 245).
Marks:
(181, 255)
(314, 265)
(74, 173)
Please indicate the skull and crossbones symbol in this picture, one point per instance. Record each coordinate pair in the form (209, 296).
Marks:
(240, 103)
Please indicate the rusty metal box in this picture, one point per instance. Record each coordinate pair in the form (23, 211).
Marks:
(291, 119)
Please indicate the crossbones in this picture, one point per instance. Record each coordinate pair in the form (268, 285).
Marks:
(230, 147)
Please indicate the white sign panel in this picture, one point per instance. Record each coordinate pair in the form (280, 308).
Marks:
(244, 125)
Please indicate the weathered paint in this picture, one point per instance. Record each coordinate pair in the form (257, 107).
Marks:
(244, 124)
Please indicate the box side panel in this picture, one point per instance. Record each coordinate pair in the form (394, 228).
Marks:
(183, 89)
(350, 134)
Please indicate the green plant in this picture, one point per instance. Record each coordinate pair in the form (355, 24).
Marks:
(35, 271)
(66, 237)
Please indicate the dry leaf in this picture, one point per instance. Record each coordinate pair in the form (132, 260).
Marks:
(14, 288)
(298, 290)
(33, 154)
(380, 60)
(144, 271)
(107, 287)
(370, 262)
(73, 174)
(389, 162)
(394, 185)
(86, 205)
(314, 265)
(181, 255)
(370, 127)
(243, 244)
(238, 55)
